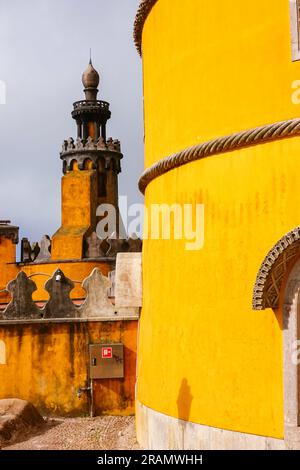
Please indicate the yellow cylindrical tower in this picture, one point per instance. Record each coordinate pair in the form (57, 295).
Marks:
(220, 79)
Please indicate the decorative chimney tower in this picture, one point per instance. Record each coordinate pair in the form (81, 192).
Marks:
(91, 165)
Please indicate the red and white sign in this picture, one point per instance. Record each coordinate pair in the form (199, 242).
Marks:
(106, 353)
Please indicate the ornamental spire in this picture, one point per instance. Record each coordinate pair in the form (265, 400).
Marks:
(90, 81)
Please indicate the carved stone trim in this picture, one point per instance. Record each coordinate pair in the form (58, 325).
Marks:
(141, 16)
(239, 140)
(69, 146)
(94, 150)
(271, 273)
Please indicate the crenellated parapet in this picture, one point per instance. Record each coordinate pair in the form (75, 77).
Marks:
(97, 304)
(90, 144)
(95, 247)
(35, 252)
(100, 153)
(110, 247)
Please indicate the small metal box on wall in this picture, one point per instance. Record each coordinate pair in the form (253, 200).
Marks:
(106, 361)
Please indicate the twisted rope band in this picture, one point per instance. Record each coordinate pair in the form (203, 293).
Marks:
(141, 16)
(259, 135)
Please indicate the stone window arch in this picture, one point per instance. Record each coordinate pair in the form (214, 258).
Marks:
(273, 270)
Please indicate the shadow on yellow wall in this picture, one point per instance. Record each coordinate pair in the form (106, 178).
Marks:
(184, 400)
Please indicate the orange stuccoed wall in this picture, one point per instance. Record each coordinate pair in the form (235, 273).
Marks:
(46, 362)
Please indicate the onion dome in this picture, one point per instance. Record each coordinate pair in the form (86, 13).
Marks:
(90, 77)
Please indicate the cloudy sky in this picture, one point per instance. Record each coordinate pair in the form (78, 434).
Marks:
(44, 48)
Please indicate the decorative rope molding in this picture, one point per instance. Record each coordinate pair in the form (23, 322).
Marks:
(141, 16)
(270, 276)
(258, 135)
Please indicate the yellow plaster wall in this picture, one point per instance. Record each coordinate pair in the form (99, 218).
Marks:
(212, 68)
(47, 363)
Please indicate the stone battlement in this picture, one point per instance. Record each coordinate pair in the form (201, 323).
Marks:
(89, 144)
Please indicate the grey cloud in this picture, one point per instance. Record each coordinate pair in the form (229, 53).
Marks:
(44, 48)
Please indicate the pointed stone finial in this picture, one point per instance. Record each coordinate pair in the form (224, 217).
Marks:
(59, 305)
(45, 248)
(97, 303)
(21, 306)
(90, 143)
(101, 144)
(25, 251)
(90, 81)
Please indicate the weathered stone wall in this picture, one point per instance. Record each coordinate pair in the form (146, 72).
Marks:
(44, 347)
(46, 363)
